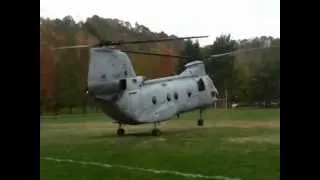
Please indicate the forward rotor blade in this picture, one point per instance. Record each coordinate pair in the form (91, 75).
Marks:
(161, 40)
(72, 47)
(154, 54)
(115, 43)
(240, 51)
(108, 43)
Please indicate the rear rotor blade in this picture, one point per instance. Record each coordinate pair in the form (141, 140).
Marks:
(108, 43)
(115, 43)
(161, 40)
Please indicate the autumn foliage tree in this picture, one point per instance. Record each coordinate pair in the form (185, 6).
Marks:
(47, 77)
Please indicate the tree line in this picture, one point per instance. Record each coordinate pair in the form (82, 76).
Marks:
(247, 77)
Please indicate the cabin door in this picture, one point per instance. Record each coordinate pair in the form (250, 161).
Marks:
(134, 100)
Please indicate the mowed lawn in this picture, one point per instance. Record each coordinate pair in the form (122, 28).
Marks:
(238, 144)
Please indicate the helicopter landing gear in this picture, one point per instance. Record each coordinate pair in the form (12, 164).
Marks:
(155, 131)
(200, 121)
(120, 131)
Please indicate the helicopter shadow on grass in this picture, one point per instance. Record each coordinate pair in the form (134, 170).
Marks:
(164, 133)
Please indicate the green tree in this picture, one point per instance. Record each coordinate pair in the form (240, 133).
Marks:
(191, 50)
(265, 84)
(221, 69)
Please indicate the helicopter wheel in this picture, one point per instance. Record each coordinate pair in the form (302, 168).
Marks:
(200, 122)
(120, 132)
(156, 132)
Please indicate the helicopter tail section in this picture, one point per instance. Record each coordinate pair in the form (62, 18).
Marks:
(108, 68)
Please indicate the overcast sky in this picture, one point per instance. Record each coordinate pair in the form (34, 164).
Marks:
(241, 18)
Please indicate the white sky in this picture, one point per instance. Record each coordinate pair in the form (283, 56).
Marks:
(241, 18)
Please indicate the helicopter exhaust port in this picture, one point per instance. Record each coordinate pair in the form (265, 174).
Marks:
(105, 88)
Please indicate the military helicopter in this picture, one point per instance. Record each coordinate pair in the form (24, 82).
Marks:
(130, 99)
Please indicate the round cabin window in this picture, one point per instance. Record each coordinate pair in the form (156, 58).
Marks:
(168, 97)
(176, 96)
(189, 94)
(154, 100)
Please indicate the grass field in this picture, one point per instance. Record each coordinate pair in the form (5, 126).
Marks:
(239, 144)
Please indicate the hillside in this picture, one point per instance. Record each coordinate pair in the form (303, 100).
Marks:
(59, 67)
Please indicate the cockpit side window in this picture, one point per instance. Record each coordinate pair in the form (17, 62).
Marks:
(201, 85)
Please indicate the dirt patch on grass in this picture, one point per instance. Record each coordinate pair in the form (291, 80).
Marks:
(249, 124)
(152, 140)
(257, 139)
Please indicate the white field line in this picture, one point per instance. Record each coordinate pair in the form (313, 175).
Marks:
(72, 115)
(140, 169)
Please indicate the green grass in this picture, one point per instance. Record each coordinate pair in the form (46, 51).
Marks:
(240, 143)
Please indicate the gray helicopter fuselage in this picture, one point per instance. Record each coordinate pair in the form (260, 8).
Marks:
(130, 99)
(149, 101)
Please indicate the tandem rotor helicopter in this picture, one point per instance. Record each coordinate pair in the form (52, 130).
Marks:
(130, 99)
